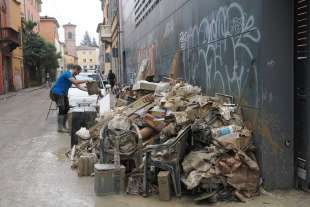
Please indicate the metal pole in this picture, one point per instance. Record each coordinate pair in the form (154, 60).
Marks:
(120, 67)
(25, 15)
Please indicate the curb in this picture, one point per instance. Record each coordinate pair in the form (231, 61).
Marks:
(7, 97)
(33, 89)
(29, 90)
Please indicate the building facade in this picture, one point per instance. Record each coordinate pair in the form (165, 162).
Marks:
(30, 11)
(240, 48)
(60, 46)
(11, 67)
(17, 54)
(109, 35)
(88, 57)
(49, 31)
(70, 39)
(70, 57)
(105, 47)
(69, 60)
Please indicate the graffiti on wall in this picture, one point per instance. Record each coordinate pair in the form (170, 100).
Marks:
(219, 52)
(148, 53)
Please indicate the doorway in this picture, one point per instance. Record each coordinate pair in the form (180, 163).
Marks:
(7, 74)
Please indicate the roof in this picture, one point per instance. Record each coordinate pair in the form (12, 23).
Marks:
(69, 25)
(86, 48)
(47, 18)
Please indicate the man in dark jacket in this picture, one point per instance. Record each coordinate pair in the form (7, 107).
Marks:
(111, 79)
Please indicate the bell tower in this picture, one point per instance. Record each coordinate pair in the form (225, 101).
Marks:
(70, 39)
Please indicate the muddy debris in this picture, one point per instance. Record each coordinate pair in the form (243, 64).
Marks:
(217, 162)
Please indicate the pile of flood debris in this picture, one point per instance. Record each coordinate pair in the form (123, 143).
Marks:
(145, 132)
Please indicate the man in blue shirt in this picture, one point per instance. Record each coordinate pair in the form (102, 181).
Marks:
(59, 94)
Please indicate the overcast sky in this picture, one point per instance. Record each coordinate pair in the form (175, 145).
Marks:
(86, 14)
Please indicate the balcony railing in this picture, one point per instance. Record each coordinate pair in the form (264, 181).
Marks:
(106, 33)
(9, 38)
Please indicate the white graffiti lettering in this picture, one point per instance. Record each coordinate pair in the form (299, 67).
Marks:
(218, 53)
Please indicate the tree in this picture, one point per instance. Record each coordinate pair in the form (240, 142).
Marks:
(50, 60)
(94, 43)
(39, 56)
(28, 27)
(86, 40)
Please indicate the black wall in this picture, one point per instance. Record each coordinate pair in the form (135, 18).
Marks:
(243, 48)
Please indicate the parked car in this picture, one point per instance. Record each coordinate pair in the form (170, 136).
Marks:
(84, 107)
(79, 98)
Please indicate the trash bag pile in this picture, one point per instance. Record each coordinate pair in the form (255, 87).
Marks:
(219, 161)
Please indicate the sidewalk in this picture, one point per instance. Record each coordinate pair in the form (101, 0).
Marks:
(26, 90)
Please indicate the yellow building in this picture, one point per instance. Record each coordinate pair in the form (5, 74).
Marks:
(17, 54)
(69, 60)
(88, 57)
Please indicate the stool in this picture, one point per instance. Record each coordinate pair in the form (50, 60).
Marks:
(51, 109)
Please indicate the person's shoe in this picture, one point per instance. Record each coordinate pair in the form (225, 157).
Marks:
(60, 122)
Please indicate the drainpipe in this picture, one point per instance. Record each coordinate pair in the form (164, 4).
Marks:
(25, 76)
(120, 48)
(25, 10)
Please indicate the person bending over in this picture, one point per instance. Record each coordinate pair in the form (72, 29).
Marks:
(59, 94)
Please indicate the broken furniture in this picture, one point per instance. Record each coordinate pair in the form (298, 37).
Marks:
(176, 148)
(130, 145)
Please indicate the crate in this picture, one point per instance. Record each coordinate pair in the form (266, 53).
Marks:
(109, 179)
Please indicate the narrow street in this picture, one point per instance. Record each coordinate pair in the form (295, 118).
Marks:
(35, 172)
(33, 167)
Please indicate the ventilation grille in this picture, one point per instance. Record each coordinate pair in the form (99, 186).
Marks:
(143, 8)
(302, 29)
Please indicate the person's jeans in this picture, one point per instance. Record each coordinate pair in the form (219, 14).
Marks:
(62, 103)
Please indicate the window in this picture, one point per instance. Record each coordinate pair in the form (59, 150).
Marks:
(84, 60)
(90, 60)
(108, 57)
(70, 35)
